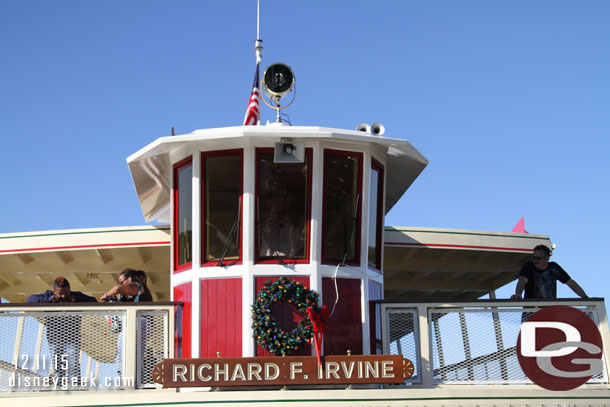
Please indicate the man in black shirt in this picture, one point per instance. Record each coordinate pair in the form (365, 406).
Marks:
(539, 277)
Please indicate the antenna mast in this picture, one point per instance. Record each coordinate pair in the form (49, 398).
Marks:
(258, 44)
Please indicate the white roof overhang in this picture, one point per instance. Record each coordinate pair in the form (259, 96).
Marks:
(151, 166)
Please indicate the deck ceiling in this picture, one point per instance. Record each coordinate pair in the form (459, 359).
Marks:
(447, 264)
(91, 259)
(419, 263)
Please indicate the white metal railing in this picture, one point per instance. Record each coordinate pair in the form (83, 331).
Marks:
(474, 342)
(90, 347)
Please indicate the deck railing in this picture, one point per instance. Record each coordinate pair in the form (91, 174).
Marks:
(472, 343)
(54, 347)
(83, 346)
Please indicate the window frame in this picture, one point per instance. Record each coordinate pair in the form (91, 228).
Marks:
(180, 165)
(376, 165)
(219, 153)
(307, 243)
(357, 249)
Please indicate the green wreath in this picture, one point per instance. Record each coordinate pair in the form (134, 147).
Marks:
(266, 332)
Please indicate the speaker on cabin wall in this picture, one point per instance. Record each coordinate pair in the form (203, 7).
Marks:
(289, 152)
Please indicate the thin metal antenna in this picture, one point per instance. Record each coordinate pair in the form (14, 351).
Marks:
(258, 44)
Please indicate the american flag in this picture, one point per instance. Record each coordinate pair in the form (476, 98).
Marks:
(252, 113)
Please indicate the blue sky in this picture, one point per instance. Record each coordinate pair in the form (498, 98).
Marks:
(509, 101)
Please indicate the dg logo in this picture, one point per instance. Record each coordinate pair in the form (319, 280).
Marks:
(560, 348)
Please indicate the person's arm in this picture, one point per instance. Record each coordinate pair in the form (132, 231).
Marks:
(519, 289)
(47, 296)
(125, 289)
(577, 288)
(81, 297)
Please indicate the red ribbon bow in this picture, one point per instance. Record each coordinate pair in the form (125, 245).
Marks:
(319, 321)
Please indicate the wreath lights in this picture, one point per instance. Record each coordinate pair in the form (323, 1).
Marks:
(266, 332)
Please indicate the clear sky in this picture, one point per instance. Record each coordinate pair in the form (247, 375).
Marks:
(509, 100)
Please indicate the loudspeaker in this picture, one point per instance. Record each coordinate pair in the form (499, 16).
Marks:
(289, 152)
(364, 127)
(377, 129)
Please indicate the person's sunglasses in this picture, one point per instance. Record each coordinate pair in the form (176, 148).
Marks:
(537, 258)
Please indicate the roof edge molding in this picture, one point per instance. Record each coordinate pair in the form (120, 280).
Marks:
(151, 168)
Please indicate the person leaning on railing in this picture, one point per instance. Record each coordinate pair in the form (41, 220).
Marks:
(539, 277)
(63, 332)
(131, 288)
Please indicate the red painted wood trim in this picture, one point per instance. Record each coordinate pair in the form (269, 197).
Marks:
(218, 153)
(221, 317)
(177, 167)
(184, 293)
(344, 331)
(284, 314)
(306, 260)
(380, 211)
(360, 156)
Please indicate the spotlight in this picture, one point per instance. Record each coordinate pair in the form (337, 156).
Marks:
(278, 79)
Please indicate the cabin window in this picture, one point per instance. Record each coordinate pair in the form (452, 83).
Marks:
(375, 215)
(283, 200)
(221, 197)
(183, 214)
(341, 207)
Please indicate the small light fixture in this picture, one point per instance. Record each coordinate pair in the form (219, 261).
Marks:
(288, 148)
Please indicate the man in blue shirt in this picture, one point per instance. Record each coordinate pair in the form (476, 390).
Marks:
(63, 331)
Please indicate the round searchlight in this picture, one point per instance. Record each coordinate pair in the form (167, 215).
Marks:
(278, 79)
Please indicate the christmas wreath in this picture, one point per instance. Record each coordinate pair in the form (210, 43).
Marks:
(266, 332)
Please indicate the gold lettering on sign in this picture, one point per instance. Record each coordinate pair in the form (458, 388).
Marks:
(200, 375)
(295, 367)
(276, 371)
(387, 366)
(254, 370)
(372, 368)
(179, 370)
(347, 372)
(218, 372)
(238, 373)
(331, 369)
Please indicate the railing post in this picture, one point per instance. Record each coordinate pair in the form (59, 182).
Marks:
(130, 346)
(425, 350)
(602, 318)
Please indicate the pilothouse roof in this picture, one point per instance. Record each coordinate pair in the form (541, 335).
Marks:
(150, 166)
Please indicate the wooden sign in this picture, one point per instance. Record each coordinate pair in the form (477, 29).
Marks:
(282, 370)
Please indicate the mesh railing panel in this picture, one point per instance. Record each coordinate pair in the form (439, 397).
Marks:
(151, 345)
(80, 350)
(60, 350)
(478, 346)
(404, 338)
